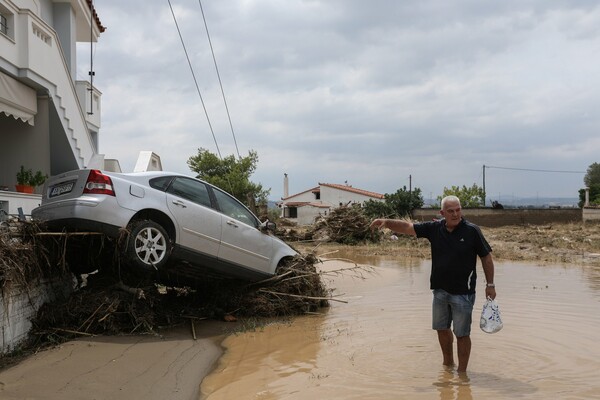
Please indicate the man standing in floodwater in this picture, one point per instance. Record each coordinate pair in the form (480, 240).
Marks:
(455, 245)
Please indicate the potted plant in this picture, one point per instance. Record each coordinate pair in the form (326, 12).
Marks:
(27, 180)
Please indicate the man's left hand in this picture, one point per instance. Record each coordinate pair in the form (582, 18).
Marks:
(490, 292)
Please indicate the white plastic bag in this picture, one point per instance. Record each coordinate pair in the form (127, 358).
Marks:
(490, 321)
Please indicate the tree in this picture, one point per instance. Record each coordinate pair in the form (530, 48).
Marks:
(469, 197)
(231, 175)
(591, 181)
(398, 204)
(594, 195)
(592, 176)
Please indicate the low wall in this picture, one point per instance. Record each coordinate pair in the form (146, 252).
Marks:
(20, 305)
(494, 218)
(591, 214)
(10, 202)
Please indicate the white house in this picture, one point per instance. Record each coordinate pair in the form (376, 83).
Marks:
(49, 121)
(305, 206)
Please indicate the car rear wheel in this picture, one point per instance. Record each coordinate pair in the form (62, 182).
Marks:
(149, 245)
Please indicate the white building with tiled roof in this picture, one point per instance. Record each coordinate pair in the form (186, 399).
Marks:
(305, 206)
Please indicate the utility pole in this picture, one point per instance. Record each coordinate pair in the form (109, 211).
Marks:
(410, 194)
(484, 185)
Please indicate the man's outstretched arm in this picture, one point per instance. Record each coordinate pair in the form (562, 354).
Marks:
(395, 225)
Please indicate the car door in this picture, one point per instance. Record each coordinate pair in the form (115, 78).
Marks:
(199, 224)
(242, 243)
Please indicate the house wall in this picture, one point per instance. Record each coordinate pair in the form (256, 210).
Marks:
(64, 24)
(23, 144)
(307, 214)
(304, 197)
(42, 55)
(329, 197)
(335, 196)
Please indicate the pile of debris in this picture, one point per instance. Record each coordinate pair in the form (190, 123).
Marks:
(115, 301)
(107, 306)
(345, 225)
(291, 232)
(23, 263)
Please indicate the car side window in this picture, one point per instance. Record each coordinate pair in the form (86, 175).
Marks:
(161, 183)
(234, 209)
(190, 189)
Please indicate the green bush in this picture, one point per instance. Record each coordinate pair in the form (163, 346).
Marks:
(28, 178)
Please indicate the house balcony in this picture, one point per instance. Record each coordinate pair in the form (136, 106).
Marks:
(30, 51)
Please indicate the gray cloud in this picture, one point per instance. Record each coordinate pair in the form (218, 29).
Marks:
(369, 92)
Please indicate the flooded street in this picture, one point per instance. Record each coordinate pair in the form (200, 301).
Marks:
(379, 345)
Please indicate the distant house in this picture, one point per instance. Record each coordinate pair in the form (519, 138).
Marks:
(305, 206)
(49, 121)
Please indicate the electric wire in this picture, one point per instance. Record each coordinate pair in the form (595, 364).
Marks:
(535, 170)
(195, 80)
(219, 77)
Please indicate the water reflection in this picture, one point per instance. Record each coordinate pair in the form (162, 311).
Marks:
(380, 346)
(452, 385)
(593, 277)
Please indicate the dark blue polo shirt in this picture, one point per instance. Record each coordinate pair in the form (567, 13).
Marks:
(454, 254)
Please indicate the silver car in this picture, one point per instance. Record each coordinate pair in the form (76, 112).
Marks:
(169, 217)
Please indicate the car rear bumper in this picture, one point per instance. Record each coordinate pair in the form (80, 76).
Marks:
(102, 214)
(81, 225)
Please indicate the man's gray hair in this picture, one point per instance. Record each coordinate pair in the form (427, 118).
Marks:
(449, 198)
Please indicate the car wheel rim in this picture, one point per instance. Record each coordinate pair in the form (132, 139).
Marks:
(150, 246)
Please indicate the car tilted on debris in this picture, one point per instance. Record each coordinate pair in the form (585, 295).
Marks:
(171, 219)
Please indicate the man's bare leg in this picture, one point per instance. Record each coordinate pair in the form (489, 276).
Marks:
(463, 345)
(446, 340)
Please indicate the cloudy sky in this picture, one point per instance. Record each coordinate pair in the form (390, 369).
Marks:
(368, 92)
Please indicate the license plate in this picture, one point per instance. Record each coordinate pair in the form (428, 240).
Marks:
(61, 189)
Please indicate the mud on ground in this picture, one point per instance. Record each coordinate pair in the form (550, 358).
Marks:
(554, 243)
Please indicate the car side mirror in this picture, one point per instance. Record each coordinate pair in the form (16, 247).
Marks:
(268, 226)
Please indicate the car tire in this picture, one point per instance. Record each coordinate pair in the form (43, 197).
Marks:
(149, 245)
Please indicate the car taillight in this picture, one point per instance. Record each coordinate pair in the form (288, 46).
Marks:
(98, 183)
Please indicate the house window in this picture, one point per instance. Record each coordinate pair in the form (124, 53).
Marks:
(290, 212)
(3, 24)
(7, 22)
(318, 195)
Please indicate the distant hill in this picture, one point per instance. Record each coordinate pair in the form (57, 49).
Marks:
(532, 202)
(510, 202)
(539, 202)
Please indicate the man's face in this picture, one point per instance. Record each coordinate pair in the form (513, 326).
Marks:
(452, 213)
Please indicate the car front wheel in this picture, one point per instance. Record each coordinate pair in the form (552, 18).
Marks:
(149, 245)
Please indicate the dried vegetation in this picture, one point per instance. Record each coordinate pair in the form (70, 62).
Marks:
(111, 301)
(343, 225)
(24, 260)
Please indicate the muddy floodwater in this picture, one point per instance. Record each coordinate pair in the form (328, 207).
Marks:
(379, 344)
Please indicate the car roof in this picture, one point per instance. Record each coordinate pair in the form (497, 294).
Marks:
(148, 175)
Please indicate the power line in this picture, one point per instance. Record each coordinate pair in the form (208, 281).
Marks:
(219, 76)
(535, 170)
(195, 80)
